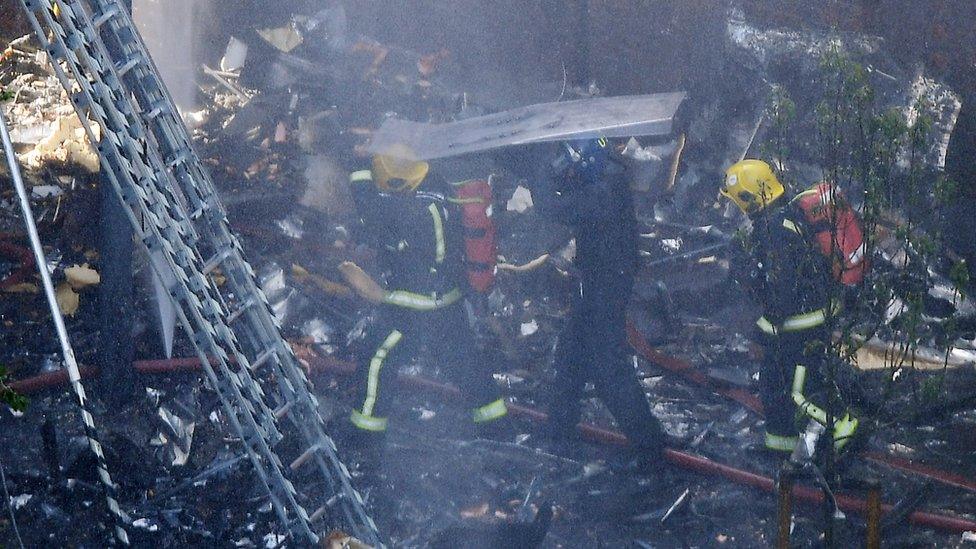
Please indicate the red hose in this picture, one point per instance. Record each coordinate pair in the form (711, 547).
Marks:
(49, 380)
(681, 459)
(599, 434)
(168, 365)
(945, 477)
(688, 371)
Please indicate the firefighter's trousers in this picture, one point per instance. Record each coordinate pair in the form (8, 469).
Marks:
(791, 386)
(397, 337)
(593, 348)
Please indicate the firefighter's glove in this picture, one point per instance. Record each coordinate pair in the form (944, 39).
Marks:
(362, 283)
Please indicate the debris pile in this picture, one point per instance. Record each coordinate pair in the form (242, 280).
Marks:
(281, 124)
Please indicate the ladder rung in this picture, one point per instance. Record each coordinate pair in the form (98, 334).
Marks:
(198, 213)
(178, 157)
(261, 359)
(284, 409)
(157, 109)
(306, 455)
(318, 513)
(129, 64)
(216, 260)
(247, 304)
(102, 18)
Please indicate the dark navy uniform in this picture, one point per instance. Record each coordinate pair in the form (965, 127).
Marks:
(418, 238)
(593, 346)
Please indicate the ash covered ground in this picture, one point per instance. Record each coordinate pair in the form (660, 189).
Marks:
(279, 150)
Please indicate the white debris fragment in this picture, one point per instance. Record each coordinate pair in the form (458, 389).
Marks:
(273, 540)
(969, 536)
(20, 501)
(521, 200)
(46, 191)
(671, 245)
(426, 414)
(529, 328)
(901, 449)
(154, 395)
(234, 56)
(214, 417)
(145, 524)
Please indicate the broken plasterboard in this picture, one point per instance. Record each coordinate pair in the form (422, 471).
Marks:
(614, 117)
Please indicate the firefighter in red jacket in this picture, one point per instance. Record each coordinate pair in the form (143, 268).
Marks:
(795, 252)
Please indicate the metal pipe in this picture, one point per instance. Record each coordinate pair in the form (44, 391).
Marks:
(784, 507)
(71, 364)
(873, 536)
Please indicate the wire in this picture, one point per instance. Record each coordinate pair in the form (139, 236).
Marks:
(10, 506)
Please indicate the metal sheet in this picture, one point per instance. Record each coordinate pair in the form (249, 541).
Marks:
(624, 116)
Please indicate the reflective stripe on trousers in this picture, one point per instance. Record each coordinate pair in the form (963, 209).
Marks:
(844, 428)
(365, 419)
(368, 423)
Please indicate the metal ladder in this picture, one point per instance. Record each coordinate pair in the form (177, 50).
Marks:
(171, 201)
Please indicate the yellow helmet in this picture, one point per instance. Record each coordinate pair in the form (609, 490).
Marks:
(752, 185)
(397, 169)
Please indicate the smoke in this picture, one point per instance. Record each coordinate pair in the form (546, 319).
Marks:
(171, 29)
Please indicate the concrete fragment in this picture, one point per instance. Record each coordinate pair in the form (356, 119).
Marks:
(67, 144)
(68, 300)
(81, 276)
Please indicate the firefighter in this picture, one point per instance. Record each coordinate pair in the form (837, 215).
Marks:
(586, 189)
(791, 257)
(418, 238)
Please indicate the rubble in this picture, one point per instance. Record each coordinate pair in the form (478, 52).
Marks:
(769, 52)
(278, 158)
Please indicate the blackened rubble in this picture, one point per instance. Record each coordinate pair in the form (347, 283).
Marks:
(280, 156)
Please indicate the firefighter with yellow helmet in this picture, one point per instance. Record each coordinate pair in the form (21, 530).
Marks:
(418, 239)
(793, 250)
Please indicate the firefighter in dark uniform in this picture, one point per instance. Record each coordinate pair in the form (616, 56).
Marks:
(418, 238)
(587, 190)
(783, 271)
